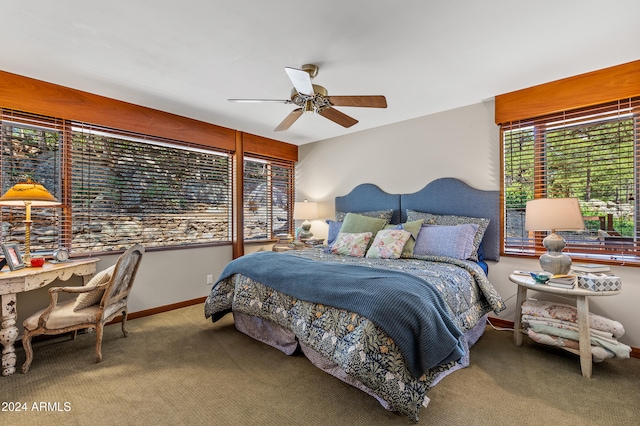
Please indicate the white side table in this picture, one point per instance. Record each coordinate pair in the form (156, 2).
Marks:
(582, 305)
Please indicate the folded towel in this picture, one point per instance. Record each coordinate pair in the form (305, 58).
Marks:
(598, 353)
(564, 324)
(560, 311)
(619, 349)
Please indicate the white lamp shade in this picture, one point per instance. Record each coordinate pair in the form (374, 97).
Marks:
(305, 210)
(553, 214)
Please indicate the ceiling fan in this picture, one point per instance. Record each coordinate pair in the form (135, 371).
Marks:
(311, 97)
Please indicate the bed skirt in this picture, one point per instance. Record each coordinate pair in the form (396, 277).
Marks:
(285, 340)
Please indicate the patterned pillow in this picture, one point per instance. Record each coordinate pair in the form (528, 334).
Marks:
(380, 214)
(356, 223)
(351, 244)
(336, 225)
(414, 229)
(449, 241)
(388, 244)
(451, 220)
(93, 297)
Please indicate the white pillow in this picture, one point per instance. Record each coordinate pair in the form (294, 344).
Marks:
(90, 298)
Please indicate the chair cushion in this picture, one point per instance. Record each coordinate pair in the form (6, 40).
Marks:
(63, 315)
(93, 297)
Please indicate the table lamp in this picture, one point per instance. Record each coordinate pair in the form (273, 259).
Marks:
(554, 214)
(306, 211)
(28, 194)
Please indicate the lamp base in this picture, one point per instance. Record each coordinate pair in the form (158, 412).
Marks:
(554, 260)
(26, 258)
(305, 232)
(557, 264)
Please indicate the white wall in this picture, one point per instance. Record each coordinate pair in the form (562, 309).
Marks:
(403, 157)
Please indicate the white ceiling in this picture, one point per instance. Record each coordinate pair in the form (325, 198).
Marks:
(188, 57)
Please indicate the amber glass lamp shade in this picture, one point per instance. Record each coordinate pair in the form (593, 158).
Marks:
(28, 194)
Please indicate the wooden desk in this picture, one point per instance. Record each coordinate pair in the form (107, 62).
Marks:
(582, 307)
(14, 282)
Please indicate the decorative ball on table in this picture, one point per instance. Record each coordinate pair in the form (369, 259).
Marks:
(37, 261)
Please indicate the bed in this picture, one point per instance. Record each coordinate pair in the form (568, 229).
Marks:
(391, 314)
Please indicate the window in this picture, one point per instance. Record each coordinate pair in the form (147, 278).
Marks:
(591, 154)
(268, 197)
(30, 148)
(129, 188)
(117, 188)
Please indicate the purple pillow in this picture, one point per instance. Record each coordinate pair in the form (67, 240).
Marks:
(449, 241)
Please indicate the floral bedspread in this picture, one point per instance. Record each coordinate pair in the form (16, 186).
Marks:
(353, 342)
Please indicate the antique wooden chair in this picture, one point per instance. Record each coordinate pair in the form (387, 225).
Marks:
(98, 302)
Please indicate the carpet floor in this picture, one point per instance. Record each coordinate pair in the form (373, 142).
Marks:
(179, 368)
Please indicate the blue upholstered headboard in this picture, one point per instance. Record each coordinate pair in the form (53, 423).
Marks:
(441, 196)
(368, 197)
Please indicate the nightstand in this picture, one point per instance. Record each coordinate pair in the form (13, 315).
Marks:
(280, 248)
(525, 283)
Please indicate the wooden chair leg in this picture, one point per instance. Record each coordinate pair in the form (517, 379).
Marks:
(124, 323)
(26, 344)
(99, 330)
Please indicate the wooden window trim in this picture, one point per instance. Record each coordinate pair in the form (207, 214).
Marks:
(39, 97)
(597, 87)
(259, 145)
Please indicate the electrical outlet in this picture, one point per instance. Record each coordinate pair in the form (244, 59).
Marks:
(209, 279)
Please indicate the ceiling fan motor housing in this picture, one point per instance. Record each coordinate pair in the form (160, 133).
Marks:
(319, 100)
(309, 98)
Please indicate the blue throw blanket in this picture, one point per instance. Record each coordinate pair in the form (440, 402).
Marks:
(406, 307)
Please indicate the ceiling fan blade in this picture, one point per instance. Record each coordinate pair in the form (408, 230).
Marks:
(277, 101)
(289, 120)
(377, 101)
(337, 117)
(301, 81)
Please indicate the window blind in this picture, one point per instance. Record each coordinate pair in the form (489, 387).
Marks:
(589, 153)
(268, 197)
(31, 147)
(129, 188)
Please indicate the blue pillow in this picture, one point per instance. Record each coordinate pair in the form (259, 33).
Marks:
(452, 220)
(449, 241)
(480, 252)
(334, 230)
